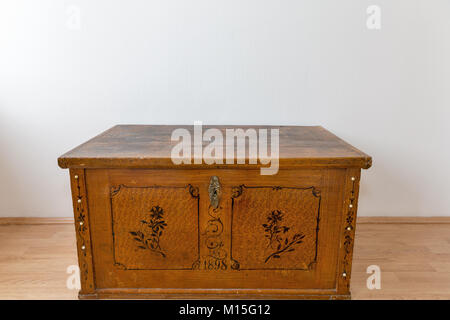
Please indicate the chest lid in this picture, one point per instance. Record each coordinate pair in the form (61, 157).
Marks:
(152, 146)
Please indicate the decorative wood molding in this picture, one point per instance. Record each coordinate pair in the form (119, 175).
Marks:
(82, 229)
(348, 225)
(359, 220)
(234, 293)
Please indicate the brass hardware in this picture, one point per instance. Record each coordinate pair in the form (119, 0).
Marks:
(214, 192)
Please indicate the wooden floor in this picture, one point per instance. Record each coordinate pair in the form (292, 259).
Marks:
(414, 261)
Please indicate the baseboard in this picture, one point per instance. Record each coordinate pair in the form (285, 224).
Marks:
(34, 221)
(360, 220)
(403, 220)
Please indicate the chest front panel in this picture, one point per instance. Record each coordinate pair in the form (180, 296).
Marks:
(177, 229)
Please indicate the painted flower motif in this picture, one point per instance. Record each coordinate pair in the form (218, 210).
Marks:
(151, 239)
(156, 212)
(277, 235)
(275, 216)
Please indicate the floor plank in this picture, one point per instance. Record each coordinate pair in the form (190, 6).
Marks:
(414, 260)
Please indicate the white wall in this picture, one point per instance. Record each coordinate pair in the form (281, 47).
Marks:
(228, 62)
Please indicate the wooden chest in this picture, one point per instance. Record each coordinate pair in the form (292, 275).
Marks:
(149, 228)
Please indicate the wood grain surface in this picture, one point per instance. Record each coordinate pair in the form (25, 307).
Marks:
(149, 146)
(206, 249)
(145, 229)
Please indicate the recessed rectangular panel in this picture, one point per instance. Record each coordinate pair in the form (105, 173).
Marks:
(155, 227)
(275, 227)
